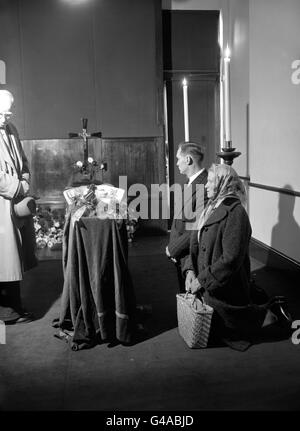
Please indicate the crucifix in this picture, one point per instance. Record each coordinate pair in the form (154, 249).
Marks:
(85, 136)
(89, 165)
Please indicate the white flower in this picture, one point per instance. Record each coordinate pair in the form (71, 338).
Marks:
(90, 160)
(37, 227)
(41, 243)
(50, 244)
(79, 164)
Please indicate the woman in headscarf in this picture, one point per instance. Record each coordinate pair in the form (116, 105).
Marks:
(219, 264)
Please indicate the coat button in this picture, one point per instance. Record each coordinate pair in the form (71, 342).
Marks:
(203, 248)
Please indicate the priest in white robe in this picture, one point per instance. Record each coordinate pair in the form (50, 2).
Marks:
(16, 235)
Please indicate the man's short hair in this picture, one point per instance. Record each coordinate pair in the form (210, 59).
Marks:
(193, 149)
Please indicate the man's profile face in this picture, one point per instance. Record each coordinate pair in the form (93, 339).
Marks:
(4, 116)
(182, 162)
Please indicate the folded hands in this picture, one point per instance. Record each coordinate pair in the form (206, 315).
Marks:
(192, 283)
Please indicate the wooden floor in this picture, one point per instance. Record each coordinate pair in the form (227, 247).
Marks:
(39, 372)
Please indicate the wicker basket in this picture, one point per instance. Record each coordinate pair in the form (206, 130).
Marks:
(194, 319)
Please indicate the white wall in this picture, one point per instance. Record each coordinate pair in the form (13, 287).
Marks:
(275, 123)
(275, 221)
(238, 39)
(275, 100)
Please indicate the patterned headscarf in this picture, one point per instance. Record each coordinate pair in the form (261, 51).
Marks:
(227, 184)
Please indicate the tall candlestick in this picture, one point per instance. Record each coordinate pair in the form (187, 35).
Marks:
(227, 104)
(166, 114)
(185, 110)
(166, 140)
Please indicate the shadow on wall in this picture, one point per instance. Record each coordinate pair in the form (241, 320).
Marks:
(286, 233)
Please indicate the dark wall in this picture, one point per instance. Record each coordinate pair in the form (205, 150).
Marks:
(68, 59)
(190, 40)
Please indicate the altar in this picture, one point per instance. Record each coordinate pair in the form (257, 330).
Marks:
(98, 301)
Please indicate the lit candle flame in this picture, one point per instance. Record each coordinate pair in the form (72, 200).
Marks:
(184, 82)
(227, 53)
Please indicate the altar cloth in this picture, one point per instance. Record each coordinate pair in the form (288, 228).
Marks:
(98, 295)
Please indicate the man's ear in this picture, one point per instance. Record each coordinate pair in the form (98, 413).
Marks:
(189, 160)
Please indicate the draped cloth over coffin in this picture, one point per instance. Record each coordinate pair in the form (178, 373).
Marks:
(98, 294)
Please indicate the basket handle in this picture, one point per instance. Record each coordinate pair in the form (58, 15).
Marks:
(194, 298)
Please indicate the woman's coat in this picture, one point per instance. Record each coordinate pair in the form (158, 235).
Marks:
(220, 260)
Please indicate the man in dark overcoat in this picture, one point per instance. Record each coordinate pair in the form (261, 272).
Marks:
(190, 163)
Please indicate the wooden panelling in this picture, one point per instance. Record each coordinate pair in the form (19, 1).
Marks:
(141, 160)
(51, 162)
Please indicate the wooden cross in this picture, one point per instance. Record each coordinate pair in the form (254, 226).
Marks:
(85, 136)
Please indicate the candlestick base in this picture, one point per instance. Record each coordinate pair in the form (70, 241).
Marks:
(228, 154)
(227, 146)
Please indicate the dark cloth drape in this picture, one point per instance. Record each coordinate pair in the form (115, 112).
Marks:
(98, 294)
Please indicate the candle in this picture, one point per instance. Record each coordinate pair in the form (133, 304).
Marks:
(166, 140)
(227, 112)
(185, 110)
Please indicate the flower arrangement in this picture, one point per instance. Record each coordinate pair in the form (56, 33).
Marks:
(103, 201)
(83, 203)
(48, 225)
